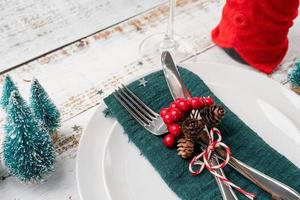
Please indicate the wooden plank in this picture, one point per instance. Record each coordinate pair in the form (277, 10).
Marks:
(30, 28)
(73, 74)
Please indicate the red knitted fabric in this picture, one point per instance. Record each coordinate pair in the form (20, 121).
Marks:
(257, 30)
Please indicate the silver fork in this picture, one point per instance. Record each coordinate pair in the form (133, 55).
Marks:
(144, 115)
(152, 121)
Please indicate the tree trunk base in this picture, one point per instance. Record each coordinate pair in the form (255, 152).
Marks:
(54, 137)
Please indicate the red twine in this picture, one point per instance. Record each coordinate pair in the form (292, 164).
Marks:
(203, 158)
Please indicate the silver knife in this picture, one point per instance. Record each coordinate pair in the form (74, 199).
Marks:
(277, 189)
(178, 89)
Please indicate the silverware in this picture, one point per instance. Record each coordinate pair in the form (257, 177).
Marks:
(277, 189)
(226, 191)
(144, 115)
(154, 124)
(179, 90)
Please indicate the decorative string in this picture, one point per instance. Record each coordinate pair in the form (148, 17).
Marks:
(202, 161)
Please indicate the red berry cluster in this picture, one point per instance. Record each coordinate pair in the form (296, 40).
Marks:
(177, 111)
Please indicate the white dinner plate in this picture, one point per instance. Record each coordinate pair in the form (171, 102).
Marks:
(110, 167)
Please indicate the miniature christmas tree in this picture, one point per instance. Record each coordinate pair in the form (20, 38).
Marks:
(43, 108)
(8, 87)
(294, 77)
(27, 149)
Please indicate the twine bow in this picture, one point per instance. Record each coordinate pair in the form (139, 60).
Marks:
(202, 160)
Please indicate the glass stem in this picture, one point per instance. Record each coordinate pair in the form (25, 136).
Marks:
(170, 32)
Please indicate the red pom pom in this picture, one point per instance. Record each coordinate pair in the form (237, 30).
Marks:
(167, 118)
(184, 105)
(176, 114)
(173, 105)
(164, 111)
(208, 101)
(175, 130)
(196, 103)
(169, 141)
(177, 100)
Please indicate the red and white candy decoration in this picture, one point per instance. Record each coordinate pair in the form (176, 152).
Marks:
(202, 161)
(176, 112)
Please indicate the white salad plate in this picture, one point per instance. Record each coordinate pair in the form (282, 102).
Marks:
(110, 167)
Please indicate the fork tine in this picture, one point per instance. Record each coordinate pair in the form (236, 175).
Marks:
(137, 105)
(129, 102)
(145, 107)
(131, 108)
(135, 116)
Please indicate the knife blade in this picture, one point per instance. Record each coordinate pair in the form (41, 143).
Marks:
(174, 81)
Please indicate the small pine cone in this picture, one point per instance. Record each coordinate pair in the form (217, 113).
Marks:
(213, 115)
(185, 147)
(192, 128)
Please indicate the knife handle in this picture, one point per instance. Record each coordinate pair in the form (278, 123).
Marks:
(277, 189)
(226, 190)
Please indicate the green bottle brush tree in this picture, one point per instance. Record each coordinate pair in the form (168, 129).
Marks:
(44, 109)
(7, 89)
(294, 77)
(27, 149)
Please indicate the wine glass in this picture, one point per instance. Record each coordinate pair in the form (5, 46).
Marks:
(153, 45)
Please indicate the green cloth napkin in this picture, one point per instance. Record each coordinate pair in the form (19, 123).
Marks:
(245, 144)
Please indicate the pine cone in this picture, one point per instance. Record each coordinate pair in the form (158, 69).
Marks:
(192, 128)
(185, 147)
(213, 115)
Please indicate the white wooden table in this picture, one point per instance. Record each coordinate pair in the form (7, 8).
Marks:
(80, 50)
